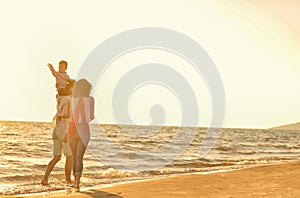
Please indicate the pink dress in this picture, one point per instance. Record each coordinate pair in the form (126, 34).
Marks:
(80, 118)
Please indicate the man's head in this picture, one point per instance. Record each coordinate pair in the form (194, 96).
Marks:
(63, 66)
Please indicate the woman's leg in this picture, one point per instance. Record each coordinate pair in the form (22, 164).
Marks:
(68, 169)
(79, 157)
(79, 161)
(73, 147)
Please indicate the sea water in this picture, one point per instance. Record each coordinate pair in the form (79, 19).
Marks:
(26, 149)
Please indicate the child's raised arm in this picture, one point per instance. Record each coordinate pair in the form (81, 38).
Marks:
(52, 70)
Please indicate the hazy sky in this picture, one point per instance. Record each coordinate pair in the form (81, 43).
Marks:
(254, 44)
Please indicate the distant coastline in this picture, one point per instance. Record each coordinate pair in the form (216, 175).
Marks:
(294, 126)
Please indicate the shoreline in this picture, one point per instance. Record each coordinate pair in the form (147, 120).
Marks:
(271, 180)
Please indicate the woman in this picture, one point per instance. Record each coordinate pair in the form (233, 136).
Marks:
(79, 133)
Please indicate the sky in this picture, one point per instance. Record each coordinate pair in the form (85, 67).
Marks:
(255, 46)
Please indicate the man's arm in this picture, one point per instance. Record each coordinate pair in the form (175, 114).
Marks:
(67, 113)
(52, 70)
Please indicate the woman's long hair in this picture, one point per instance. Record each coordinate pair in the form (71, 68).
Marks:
(82, 88)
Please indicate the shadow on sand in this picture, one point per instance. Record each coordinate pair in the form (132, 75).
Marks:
(97, 194)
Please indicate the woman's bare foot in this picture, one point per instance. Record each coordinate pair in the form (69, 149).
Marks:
(77, 182)
(77, 189)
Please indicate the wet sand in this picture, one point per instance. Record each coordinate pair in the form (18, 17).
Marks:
(280, 180)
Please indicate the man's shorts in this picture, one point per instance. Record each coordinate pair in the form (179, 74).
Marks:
(59, 146)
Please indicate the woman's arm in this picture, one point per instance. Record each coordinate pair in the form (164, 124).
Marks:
(92, 107)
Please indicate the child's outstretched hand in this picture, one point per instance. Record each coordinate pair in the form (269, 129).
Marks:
(52, 69)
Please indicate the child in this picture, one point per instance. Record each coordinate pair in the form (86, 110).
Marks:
(62, 78)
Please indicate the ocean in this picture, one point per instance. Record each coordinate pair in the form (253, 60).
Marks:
(26, 149)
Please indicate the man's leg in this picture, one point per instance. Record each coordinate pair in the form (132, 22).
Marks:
(68, 163)
(57, 151)
(49, 168)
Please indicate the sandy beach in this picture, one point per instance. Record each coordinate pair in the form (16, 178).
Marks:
(279, 180)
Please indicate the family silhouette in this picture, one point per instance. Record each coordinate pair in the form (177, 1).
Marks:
(71, 134)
